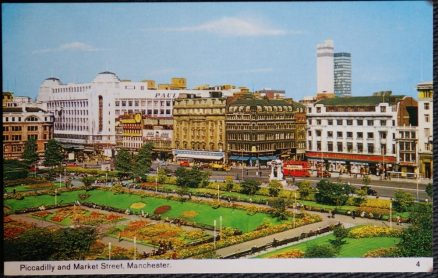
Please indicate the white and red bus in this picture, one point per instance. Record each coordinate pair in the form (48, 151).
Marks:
(295, 168)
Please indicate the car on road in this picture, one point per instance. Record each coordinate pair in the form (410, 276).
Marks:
(184, 163)
(369, 190)
(323, 174)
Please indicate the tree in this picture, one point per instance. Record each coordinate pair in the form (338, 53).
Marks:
(250, 186)
(416, 240)
(332, 193)
(274, 188)
(279, 208)
(123, 161)
(190, 177)
(320, 251)
(30, 154)
(73, 243)
(14, 169)
(229, 183)
(53, 154)
(402, 201)
(34, 244)
(429, 190)
(143, 161)
(305, 189)
(88, 181)
(162, 175)
(360, 196)
(340, 234)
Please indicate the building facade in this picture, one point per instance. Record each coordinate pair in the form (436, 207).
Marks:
(325, 67)
(85, 114)
(22, 123)
(342, 73)
(199, 128)
(356, 134)
(260, 130)
(425, 128)
(134, 130)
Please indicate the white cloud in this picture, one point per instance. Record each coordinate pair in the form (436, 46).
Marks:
(234, 26)
(72, 46)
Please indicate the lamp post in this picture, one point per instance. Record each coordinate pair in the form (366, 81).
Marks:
(220, 227)
(135, 248)
(156, 181)
(390, 213)
(294, 206)
(56, 192)
(214, 234)
(109, 250)
(218, 192)
(60, 179)
(242, 162)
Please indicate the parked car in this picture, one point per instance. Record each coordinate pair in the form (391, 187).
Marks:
(184, 163)
(323, 174)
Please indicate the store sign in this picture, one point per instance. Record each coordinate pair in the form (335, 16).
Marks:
(357, 157)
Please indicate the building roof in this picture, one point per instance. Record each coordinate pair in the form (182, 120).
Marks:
(106, 77)
(260, 102)
(360, 101)
(20, 109)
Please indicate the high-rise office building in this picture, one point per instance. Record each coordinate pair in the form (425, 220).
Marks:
(325, 67)
(342, 71)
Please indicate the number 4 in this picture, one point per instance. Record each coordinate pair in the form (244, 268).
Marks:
(418, 263)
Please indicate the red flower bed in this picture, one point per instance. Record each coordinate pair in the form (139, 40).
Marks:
(148, 184)
(162, 209)
(41, 214)
(12, 229)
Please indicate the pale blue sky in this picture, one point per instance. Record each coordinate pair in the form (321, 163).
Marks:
(258, 45)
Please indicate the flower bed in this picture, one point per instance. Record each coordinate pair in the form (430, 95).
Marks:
(162, 209)
(381, 253)
(377, 203)
(138, 205)
(189, 213)
(147, 185)
(295, 253)
(373, 231)
(155, 233)
(12, 229)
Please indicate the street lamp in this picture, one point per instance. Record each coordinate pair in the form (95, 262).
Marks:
(242, 162)
(390, 213)
(156, 181)
(218, 192)
(214, 234)
(135, 247)
(294, 206)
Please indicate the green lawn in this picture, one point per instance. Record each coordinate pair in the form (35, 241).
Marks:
(235, 218)
(354, 248)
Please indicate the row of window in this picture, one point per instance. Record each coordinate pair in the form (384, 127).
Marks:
(27, 119)
(148, 112)
(350, 122)
(67, 104)
(143, 103)
(349, 134)
(71, 89)
(341, 147)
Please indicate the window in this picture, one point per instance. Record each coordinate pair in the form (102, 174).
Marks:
(371, 148)
(32, 136)
(359, 122)
(382, 135)
(359, 135)
(117, 103)
(16, 137)
(382, 122)
(349, 122)
(350, 135)
(32, 128)
(310, 144)
(359, 147)
(339, 134)
(123, 102)
(318, 122)
(329, 134)
(309, 133)
(426, 106)
(370, 135)
(130, 103)
(309, 110)
(427, 132)
(426, 118)
(318, 133)
(370, 122)
(339, 146)
(330, 146)
(349, 147)
(310, 122)
(318, 109)
(330, 122)
(382, 108)
(339, 122)
(16, 128)
(318, 145)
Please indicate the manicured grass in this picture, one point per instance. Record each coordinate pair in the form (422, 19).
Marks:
(28, 187)
(235, 218)
(353, 248)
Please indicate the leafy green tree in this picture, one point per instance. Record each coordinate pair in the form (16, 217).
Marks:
(429, 190)
(416, 240)
(279, 208)
(73, 243)
(14, 169)
(274, 188)
(123, 161)
(34, 244)
(340, 234)
(88, 181)
(250, 186)
(360, 196)
(53, 154)
(332, 193)
(320, 251)
(402, 201)
(305, 189)
(30, 154)
(190, 177)
(143, 161)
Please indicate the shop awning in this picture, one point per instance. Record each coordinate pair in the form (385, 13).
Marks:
(271, 157)
(239, 158)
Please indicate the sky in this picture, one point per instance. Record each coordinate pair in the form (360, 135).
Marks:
(257, 45)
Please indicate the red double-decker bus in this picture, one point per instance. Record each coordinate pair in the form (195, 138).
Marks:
(295, 168)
